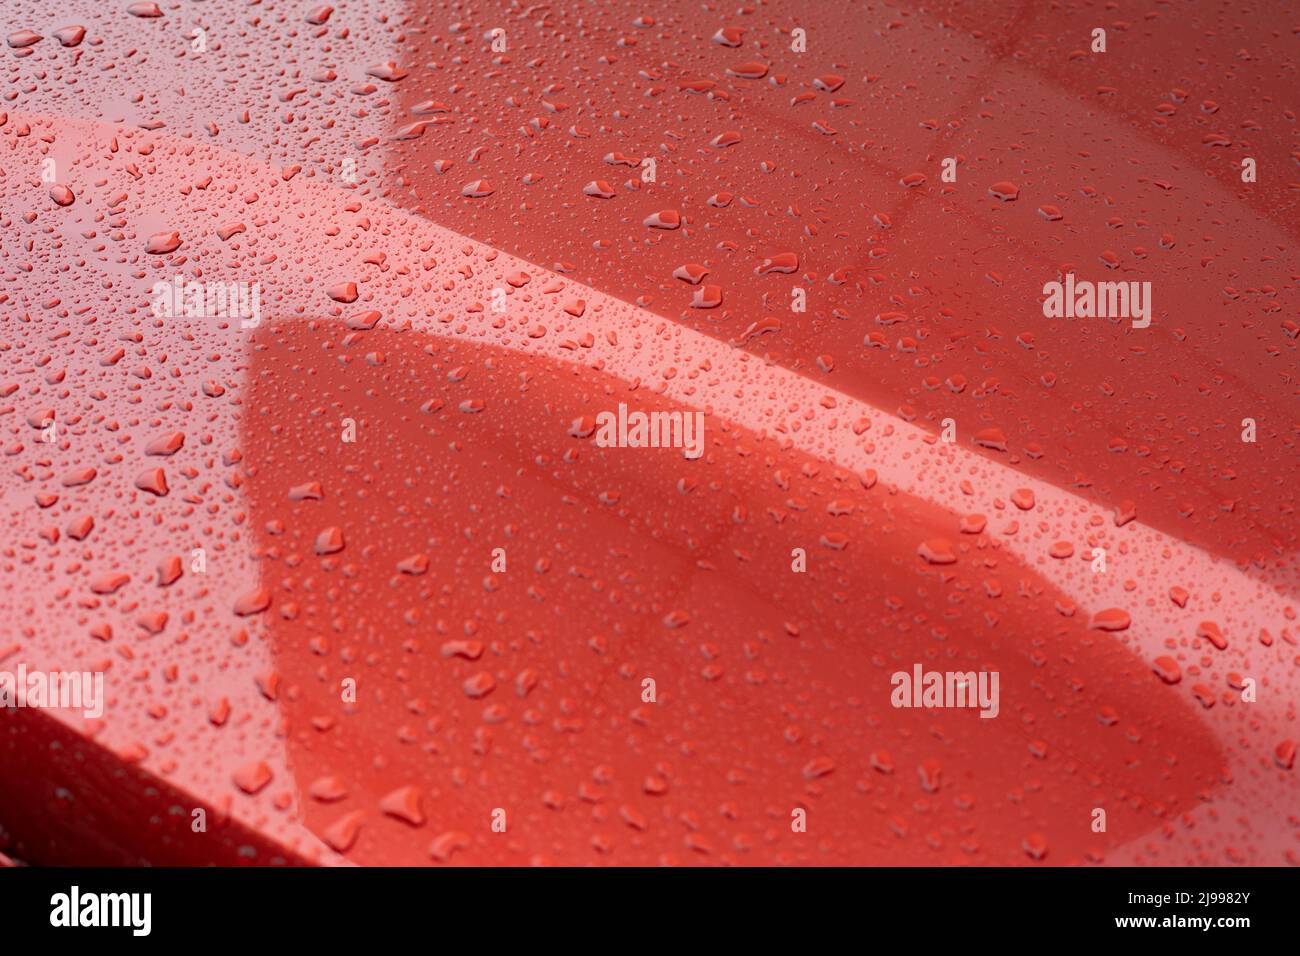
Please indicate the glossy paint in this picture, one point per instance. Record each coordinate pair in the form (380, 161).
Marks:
(462, 261)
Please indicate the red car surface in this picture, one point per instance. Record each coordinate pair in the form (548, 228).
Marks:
(362, 582)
